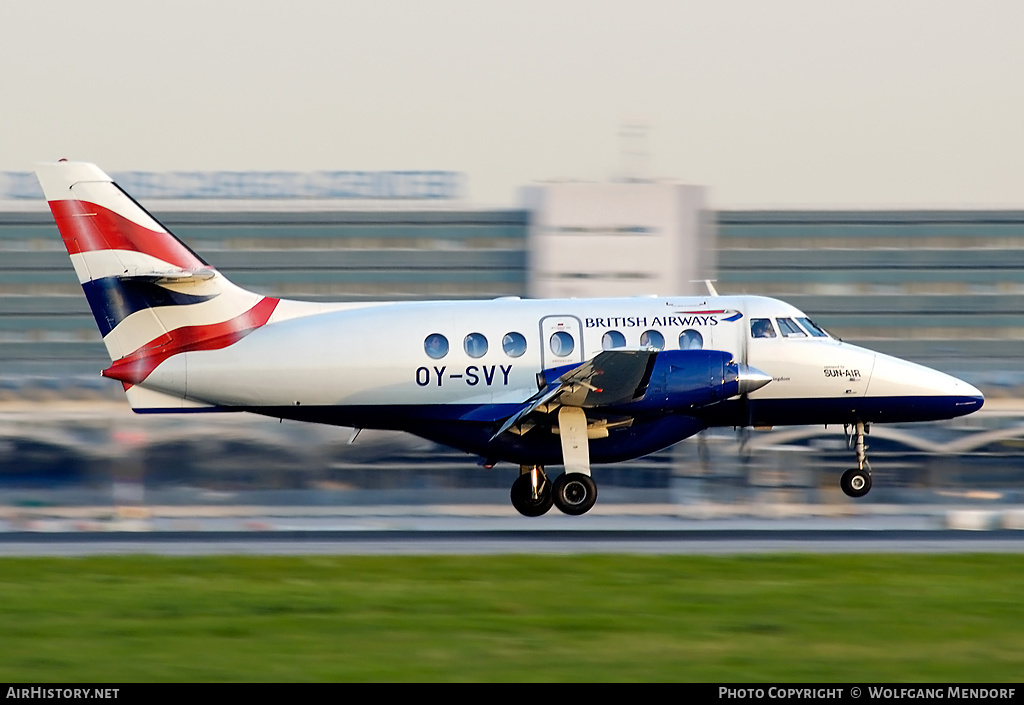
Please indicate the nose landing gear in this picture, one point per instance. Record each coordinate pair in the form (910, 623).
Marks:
(856, 482)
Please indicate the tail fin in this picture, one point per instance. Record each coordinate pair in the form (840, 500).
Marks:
(151, 295)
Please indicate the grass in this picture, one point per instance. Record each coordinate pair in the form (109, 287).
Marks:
(789, 618)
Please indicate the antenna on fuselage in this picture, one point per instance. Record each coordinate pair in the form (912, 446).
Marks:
(709, 283)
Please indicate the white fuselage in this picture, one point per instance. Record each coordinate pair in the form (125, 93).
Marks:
(376, 354)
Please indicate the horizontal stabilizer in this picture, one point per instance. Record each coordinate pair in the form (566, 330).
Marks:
(171, 276)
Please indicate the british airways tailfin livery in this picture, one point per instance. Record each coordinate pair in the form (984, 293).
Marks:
(531, 382)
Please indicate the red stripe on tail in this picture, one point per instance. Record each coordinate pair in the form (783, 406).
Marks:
(134, 368)
(87, 227)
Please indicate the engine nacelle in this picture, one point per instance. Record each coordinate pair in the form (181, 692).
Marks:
(686, 379)
(666, 381)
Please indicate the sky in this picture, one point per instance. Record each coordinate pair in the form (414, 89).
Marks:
(783, 103)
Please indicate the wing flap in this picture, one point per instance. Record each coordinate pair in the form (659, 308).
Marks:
(612, 377)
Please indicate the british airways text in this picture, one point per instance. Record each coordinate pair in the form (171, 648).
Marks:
(643, 321)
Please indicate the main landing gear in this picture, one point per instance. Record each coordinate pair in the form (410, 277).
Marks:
(573, 492)
(533, 494)
(856, 482)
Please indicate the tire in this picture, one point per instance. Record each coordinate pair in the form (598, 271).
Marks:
(856, 482)
(523, 500)
(574, 493)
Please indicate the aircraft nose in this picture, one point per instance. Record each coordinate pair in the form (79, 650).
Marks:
(750, 378)
(932, 394)
(968, 398)
(959, 397)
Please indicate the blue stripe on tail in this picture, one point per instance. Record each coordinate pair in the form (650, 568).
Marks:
(112, 300)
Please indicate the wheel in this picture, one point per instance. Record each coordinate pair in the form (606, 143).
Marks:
(523, 499)
(856, 482)
(574, 493)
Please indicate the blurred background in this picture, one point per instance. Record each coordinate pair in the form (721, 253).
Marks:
(940, 287)
(402, 150)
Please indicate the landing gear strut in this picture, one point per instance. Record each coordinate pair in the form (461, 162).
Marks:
(856, 482)
(531, 492)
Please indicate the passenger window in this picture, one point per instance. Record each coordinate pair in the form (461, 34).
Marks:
(514, 344)
(761, 328)
(691, 339)
(475, 345)
(562, 344)
(814, 330)
(652, 339)
(436, 345)
(789, 329)
(613, 339)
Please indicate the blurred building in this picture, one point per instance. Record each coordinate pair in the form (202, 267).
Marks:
(633, 238)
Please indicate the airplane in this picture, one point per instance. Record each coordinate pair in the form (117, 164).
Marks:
(571, 382)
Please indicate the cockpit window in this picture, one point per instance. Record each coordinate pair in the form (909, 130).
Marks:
(475, 345)
(814, 330)
(691, 339)
(613, 339)
(514, 344)
(761, 328)
(436, 345)
(652, 339)
(790, 329)
(562, 344)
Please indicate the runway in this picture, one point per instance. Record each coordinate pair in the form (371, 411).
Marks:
(502, 541)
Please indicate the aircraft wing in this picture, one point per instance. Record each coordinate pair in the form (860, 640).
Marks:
(612, 377)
